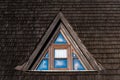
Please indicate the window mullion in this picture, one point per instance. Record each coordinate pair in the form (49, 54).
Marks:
(51, 58)
(69, 59)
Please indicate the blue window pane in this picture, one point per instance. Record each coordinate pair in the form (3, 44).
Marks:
(74, 55)
(46, 56)
(43, 65)
(60, 39)
(61, 63)
(77, 65)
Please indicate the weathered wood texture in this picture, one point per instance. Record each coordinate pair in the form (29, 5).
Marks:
(24, 22)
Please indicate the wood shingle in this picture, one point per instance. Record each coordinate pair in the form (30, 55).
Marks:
(24, 22)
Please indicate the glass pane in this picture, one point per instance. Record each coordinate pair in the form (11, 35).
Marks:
(43, 65)
(61, 63)
(77, 65)
(60, 39)
(60, 53)
(74, 55)
(46, 56)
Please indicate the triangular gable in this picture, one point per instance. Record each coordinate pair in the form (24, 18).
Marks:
(54, 28)
(61, 56)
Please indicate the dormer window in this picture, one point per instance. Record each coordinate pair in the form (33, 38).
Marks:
(61, 56)
(60, 49)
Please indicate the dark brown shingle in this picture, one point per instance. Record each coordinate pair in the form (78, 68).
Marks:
(23, 23)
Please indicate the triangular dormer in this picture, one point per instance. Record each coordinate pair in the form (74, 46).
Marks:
(60, 50)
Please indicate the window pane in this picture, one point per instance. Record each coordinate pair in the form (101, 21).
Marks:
(60, 39)
(46, 56)
(74, 55)
(60, 53)
(77, 65)
(43, 65)
(61, 63)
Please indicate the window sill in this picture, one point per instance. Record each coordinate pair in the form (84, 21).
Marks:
(63, 70)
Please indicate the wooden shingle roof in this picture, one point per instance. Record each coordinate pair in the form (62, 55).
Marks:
(24, 22)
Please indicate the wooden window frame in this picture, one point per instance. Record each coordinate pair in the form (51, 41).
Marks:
(51, 59)
(70, 50)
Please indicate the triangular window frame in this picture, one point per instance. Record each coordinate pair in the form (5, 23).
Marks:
(83, 53)
(68, 43)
